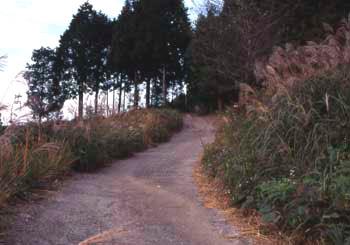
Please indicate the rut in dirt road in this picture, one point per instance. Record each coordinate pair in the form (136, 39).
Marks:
(149, 199)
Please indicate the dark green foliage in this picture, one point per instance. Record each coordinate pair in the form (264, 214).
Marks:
(166, 35)
(124, 58)
(45, 92)
(208, 82)
(86, 147)
(122, 41)
(119, 142)
(146, 44)
(150, 40)
(83, 52)
(100, 77)
(292, 163)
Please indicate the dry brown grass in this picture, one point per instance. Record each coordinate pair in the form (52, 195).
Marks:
(290, 65)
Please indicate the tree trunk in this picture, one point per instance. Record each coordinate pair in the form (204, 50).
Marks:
(172, 91)
(113, 107)
(148, 93)
(164, 87)
(220, 103)
(124, 108)
(136, 96)
(96, 101)
(40, 129)
(120, 97)
(81, 102)
(107, 103)
(136, 92)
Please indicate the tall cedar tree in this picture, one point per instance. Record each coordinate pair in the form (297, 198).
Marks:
(150, 42)
(214, 59)
(45, 93)
(83, 51)
(171, 37)
(100, 73)
(123, 44)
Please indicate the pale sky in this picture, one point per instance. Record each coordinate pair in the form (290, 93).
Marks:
(29, 24)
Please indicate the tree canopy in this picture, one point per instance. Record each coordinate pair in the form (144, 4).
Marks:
(152, 46)
(45, 92)
(150, 41)
(83, 50)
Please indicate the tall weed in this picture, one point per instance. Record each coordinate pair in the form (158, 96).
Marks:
(292, 162)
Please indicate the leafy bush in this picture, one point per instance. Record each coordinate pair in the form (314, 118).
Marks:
(292, 162)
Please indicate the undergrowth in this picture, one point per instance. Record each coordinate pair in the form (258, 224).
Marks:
(29, 159)
(292, 162)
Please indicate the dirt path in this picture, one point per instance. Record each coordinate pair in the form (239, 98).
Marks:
(148, 199)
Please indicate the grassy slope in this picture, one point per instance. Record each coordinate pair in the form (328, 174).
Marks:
(291, 163)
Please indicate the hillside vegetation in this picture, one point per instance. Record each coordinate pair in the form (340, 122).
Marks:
(31, 157)
(285, 151)
(284, 64)
(288, 157)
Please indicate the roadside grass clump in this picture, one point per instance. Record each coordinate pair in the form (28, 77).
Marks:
(159, 128)
(26, 164)
(292, 162)
(33, 156)
(95, 142)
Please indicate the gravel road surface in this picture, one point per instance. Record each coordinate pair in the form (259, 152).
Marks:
(149, 199)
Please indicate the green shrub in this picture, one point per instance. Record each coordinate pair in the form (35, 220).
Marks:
(97, 141)
(118, 143)
(292, 162)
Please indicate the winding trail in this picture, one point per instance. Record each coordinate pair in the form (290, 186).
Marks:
(149, 199)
